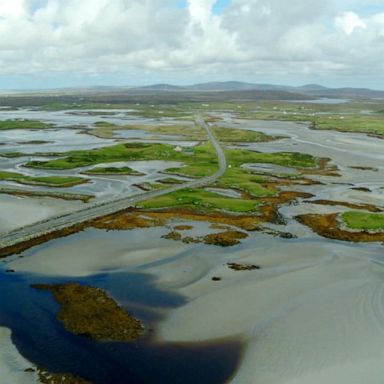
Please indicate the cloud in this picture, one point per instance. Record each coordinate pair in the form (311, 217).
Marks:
(11, 9)
(348, 22)
(249, 39)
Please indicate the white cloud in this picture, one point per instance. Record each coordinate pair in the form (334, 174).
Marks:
(250, 38)
(11, 8)
(348, 22)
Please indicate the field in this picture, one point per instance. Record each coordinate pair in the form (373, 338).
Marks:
(363, 221)
(112, 171)
(108, 130)
(202, 201)
(23, 124)
(46, 181)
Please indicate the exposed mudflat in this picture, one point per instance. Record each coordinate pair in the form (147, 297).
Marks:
(19, 211)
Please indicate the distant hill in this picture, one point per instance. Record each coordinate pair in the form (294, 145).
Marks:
(312, 87)
(223, 86)
(304, 91)
(235, 91)
(161, 87)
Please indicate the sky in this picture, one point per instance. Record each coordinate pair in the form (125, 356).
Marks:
(70, 43)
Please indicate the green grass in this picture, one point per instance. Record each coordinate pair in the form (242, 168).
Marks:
(373, 124)
(170, 180)
(346, 117)
(113, 171)
(158, 111)
(242, 179)
(47, 181)
(200, 200)
(147, 186)
(200, 160)
(81, 106)
(237, 157)
(107, 130)
(23, 124)
(238, 178)
(363, 220)
(240, 135)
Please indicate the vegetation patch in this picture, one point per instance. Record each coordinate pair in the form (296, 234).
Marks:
(113, 171)
(363, 221)
(150, 186)
(361, 189)
(200, 160)
(131, 219)
(106, 130)
(171, 180)
(35, 142)
(368, 207)
(329, 226)
(237, 177)
(47, 181)
(46, 377)
(237, 157)
(241, 179)
(200, 200)
(372, 124)
(361, 168)
(173, 235)
(242, 266)
(88, 311)
(225, 239)
(183, 227)
(240, 135)
(23, 124)
(344, 117)
(54, 195)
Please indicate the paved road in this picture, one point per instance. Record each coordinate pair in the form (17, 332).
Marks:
(106, 208)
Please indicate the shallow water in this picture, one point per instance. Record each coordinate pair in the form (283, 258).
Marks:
(59, 140)
(323, 100)
(66, 137)
(18, 211)
(42, 340)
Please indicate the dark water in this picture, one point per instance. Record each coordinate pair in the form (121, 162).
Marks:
(41, 339)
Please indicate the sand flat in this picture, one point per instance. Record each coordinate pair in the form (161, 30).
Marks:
(12, 364)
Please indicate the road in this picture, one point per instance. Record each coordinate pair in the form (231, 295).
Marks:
(109, 207)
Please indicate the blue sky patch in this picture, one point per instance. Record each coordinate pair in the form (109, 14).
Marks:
(220, 5)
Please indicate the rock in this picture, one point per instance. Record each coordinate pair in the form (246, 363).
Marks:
(242, 266)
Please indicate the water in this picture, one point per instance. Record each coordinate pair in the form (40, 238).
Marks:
(323, 100)
(30, 315)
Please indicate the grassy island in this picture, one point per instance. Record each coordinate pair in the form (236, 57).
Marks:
(46, 181)
(363, 220)
(23, 124)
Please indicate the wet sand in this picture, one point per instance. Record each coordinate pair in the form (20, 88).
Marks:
(12, 364)
(19, 211)
(314, 293)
